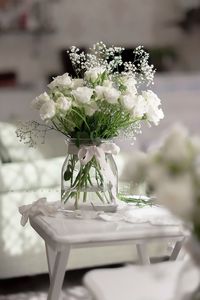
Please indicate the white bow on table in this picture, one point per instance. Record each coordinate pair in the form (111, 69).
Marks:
(86, 153)
(39, 207)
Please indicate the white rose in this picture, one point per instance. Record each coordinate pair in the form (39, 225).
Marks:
(111, 95)
(48, 110)
(154, 115)
(78, 82)
(140, 107)
(93, 73)
(130, 83)
(90, 109)
(128, 101)
(83, 94)
(63, 80)
(153, 112)
(40, 100)
(152, 97)
(63, 103)
(99, 90)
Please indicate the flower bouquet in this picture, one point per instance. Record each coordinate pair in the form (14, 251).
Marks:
(108, 98)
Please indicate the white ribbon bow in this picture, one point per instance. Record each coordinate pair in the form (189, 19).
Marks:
(86, 153)
(39, 207)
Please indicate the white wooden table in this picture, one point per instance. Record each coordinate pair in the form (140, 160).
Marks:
(62, 233)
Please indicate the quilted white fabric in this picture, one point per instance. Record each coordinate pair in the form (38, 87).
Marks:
(30, 175)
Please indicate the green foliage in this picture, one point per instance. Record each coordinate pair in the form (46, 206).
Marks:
(105, 123)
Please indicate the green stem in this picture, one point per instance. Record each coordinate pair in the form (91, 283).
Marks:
(73, 163)
(100, 197)
(81, 118)
(76, 200)
(84, 196)
(106, 198)
(98, 194)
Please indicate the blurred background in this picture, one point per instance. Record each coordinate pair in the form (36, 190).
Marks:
(34, 38)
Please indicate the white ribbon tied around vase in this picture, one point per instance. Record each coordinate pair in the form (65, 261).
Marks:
(86, 153)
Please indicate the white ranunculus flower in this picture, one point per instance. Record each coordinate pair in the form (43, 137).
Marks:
(153, 112)
(40, 100)
(111, 95)
(48, 110)
(83, 94)
(93, 73)
(63, 80)
(63, 103)
(90, 109)
(177, 194)
(77, 82)
(128, 101)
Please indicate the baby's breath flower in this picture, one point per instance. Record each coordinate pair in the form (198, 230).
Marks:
(31, 131)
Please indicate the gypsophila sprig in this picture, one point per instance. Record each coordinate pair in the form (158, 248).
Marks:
(108, 96)
(140, 66)
(31, 131)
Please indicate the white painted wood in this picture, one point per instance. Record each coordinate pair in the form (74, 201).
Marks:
(51, 256)
(176, 250)
(58, 274)
(143, 256)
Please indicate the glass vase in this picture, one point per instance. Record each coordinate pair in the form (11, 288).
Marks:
(89, 176)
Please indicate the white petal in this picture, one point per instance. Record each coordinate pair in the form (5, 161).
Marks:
(48, 110)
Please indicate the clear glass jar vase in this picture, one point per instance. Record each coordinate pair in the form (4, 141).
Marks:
(89, 175)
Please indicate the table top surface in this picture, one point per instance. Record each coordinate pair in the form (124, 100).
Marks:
(136, 224)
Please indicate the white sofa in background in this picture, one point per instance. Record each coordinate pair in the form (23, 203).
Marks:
(25, 175)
